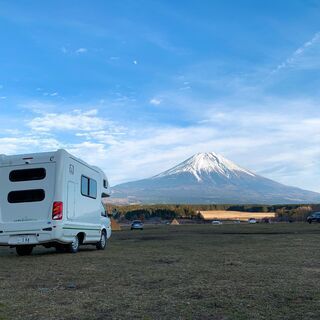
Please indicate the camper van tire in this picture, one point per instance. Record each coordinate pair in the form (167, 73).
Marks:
(24, 250)
(73, 247)
(101, 245)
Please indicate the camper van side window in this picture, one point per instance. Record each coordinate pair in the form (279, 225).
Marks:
(93, 188)
(88, 187)
(84, 186)
(26, 196)
(27, 174)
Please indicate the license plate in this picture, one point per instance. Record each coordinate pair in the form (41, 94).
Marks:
(23, 239)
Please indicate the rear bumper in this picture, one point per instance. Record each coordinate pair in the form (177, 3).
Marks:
(42, 233)
(11, 234)
(17, 239)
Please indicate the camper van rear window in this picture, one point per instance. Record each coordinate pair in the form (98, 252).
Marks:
(27, 174)
(20, 196)
(88, 187)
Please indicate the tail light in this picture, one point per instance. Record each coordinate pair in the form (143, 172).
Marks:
(57, 210)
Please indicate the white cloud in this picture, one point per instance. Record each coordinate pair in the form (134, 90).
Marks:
(28, 144)
(185, 88)
(72, 51)
(92, 112)
(81, 50)
(155, 101)
(38, 107)
(91, 152)
(74, 121)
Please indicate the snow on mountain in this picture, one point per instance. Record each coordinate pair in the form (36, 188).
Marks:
(206, 163)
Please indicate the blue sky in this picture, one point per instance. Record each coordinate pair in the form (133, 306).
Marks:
(138, 86)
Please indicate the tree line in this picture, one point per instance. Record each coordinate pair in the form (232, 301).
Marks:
(288, 213)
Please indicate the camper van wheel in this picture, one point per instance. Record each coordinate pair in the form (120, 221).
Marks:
(73, 247)
(103, 241)
(24, 250)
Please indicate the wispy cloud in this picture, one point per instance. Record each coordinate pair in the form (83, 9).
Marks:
(70, 51)
(26, 143)
(294, 58)
(64, 50)
(74, 121)
(81, 50)
(155, 101)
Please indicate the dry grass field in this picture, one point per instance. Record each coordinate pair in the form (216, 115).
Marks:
(171, 272)
(234, 215)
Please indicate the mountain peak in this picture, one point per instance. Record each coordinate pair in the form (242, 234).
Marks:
(206, 163)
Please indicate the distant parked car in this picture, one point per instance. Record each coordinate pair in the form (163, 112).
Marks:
(315, 217)
(137, 225)
(237, 221)
(252, 220)
(216, 222)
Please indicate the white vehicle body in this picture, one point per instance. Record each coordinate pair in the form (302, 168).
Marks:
(217, 222)
(50, 198)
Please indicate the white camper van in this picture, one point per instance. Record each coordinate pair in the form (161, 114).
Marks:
(52, 199)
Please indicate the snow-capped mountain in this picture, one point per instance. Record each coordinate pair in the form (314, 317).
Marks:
(205, 164)
(210, 178)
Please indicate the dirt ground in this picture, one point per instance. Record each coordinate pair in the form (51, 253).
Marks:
(171, 272)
